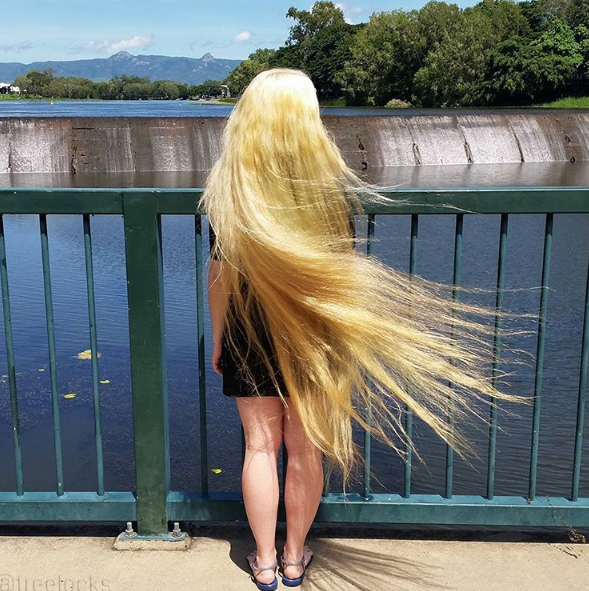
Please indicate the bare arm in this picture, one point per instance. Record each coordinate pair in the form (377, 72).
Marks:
(218, 309)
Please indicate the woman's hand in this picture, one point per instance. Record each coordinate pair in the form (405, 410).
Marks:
(216, 358)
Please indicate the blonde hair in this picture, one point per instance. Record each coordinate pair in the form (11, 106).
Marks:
(349, 333)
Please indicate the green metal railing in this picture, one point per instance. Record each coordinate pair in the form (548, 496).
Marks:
(154, 504)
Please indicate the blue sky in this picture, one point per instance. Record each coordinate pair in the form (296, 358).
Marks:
(40, 30)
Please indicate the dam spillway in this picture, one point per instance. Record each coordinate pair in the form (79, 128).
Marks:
(177, 144)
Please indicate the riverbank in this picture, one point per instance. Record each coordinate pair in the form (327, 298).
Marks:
(564, 103)
(570, 102)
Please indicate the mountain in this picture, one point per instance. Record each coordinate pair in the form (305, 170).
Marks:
(158, 67)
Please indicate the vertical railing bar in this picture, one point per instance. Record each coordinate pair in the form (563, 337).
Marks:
(456, 280)
(94, 352)
(408, 412)
(10, 362)
(202, 393)
(581, 397)
(143, 259)
(52, 360)
(367, 436)
(496, 350)
(164, 369)
(540, 355)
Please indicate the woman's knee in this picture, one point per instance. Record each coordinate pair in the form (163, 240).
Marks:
(262, 424)
(296, 440)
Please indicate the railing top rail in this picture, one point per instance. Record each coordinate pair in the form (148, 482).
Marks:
(423, 200)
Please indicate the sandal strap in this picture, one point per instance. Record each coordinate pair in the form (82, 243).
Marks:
(258, 569)
(292, 562)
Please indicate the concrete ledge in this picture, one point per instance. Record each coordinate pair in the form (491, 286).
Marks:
(216, 560)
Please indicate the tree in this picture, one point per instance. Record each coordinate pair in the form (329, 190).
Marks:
(326, 56)
(137, 90)
(310, 22)
(454, 69)
(165, 89)
(240, 77)
(539, 13)
(391, 48)
(579, 14)
(533, 68)
(35, 82)
(106, 90)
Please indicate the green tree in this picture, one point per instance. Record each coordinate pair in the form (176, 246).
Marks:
(539, 13)
(240, 77)
(309, 23)
(124, 80)
(165, 89)
(454, 70)
(106, 90)
(579, 14)
(137, 90)
(533, 68)
(390, 49)
(326, 56)
(36, 82)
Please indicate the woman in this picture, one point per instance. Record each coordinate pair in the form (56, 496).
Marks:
(301, 319)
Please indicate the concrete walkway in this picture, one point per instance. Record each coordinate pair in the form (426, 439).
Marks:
(386, 559)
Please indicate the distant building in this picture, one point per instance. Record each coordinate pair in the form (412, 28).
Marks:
(225, 91)
(7, 88)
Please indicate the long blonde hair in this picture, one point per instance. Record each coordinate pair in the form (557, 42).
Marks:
(349, 333)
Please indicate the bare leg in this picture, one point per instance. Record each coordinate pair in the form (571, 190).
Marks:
(261, 418)
(302, 489)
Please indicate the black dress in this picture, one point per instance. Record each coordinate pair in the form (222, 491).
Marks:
(234, 383)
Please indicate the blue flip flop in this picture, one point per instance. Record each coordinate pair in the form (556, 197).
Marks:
(305, 561)
(255, 568)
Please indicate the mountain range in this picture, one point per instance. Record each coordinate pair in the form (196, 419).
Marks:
(158, 67)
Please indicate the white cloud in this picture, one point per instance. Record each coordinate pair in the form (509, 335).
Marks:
(137, 42)
(349, 11)
(245, 37)
(16, 47)
(109, 47)
(242, 37)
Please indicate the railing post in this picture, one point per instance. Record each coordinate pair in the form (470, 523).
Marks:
(148, 369)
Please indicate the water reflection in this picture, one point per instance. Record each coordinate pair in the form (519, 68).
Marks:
(435, 247)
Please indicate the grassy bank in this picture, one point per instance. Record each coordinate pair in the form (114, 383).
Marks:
(569, 102)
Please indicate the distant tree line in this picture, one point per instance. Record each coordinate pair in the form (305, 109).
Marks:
(46, 84)
(498, 52)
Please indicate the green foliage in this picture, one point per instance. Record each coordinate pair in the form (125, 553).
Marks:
(569, 102)
(498, 52)
(309, 23)
(35, 82)
(525, 69)
(241, 76)
(579, 13)
(44, 84)
(398, 104)
(454, 68)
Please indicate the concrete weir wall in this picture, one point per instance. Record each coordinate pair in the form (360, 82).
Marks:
(142, 144)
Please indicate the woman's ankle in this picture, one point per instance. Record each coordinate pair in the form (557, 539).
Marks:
(292, 553)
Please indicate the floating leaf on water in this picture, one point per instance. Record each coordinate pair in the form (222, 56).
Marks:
(105, 381)
(87, 354)
(70, 395)
(216, 470)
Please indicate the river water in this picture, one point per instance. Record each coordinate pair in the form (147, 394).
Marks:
(185, 108)
(435, 249)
